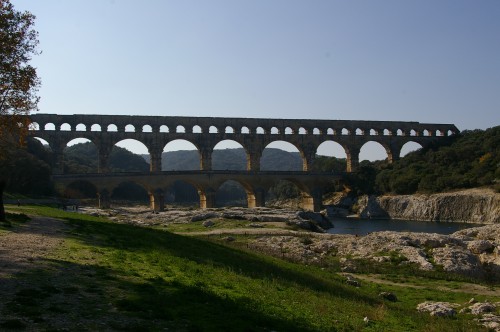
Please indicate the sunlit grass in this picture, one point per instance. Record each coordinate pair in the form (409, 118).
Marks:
(127, 276)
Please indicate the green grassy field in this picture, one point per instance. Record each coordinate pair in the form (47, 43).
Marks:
(109, 276)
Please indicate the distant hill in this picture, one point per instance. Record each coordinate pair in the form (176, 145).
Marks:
(230, 159)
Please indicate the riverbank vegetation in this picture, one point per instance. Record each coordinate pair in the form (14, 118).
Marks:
(121, 277)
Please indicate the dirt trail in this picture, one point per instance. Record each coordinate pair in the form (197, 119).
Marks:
(464, 287)
(28, 244)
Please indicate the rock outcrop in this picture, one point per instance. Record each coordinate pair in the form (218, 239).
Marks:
(471, 206)
(463, 252)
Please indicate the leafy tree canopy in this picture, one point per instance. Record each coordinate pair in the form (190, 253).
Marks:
(19, 85)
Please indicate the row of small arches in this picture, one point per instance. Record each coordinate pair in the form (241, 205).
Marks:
(243, 130)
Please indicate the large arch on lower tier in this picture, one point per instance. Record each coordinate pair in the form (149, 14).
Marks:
(232, 193)
(284, 192)
(182, 193)
(129, 191)
(80, 189)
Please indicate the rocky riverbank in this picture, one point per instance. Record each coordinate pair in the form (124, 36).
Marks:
(470, 206)
(473, 252)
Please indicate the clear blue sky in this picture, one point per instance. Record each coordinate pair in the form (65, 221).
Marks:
(426, 60)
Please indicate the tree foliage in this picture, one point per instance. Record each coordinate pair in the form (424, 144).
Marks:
(19, 85)
(471, 160)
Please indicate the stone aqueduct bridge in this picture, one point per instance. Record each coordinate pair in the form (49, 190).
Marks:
(205, 133)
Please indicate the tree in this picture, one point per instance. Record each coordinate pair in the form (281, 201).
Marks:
(19, 84)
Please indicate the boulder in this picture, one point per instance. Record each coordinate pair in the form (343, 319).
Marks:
(316, 217)
(441, 309)
(388, 296)
(208, 223)
(480, 246)
(352, 281)
(458, 260)
(481, 308)
(204, 216)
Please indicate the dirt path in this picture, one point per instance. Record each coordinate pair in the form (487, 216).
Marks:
(464, 287)
(25, 246)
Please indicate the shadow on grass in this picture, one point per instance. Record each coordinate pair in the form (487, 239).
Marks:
(81, 297)
(133, 238)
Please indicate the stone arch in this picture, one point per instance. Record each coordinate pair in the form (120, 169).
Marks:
(330, 148)
(359, 132)
(229, 130)
(302, 131)
(316, 131)
(387, 132)
(81, 127)
(65, 127)
(288, 131)
(330, 131)
(373, 132)
(147, 129)
(185, 193)
(80, 189)
(274, 131)
(232, 193)
(260, 131)
(345, 131)
(373, 150)
(49, 126)
(130, 191)
(409, 147)
(95, 127)
(130, 128)
(213, 130)
(34, 126)
(245, 130)
(133, 145)
(73, 156)
(197, 130)
(281, 156)
(181, 154)
(112, 128)
(283, 190)
(43, 141)
(180, 129)
(413, 132)
(164, 129)
(232, 153)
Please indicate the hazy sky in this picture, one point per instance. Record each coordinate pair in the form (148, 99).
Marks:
(428, 60)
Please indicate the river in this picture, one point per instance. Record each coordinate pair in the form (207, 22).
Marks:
(365, 226)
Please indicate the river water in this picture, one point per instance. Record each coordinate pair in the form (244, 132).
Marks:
(365, 226)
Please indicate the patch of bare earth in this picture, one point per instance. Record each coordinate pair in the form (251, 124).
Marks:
(26, 246)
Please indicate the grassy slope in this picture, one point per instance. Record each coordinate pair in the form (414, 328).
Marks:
(130, 278)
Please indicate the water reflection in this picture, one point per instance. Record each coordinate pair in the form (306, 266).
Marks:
(365, 226)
